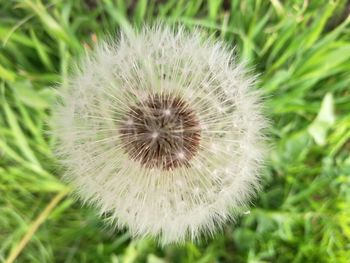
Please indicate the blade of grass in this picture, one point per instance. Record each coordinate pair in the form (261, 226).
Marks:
(34, 226)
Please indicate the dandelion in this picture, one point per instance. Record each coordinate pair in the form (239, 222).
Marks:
(161, 131)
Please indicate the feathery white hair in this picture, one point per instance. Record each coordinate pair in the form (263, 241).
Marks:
(161, 131)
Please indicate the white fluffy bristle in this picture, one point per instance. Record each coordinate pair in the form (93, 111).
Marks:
(111, 152)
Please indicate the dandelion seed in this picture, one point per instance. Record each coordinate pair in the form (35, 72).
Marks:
(161, 131)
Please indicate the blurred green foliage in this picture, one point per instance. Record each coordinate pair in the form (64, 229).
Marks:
(301, 49)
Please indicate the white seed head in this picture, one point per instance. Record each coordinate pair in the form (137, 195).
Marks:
(160, 130)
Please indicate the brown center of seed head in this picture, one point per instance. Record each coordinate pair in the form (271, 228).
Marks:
(161, 132)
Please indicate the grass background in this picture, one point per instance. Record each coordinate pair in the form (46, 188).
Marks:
(301, 49)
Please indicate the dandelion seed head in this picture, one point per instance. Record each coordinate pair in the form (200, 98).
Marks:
(161, 131)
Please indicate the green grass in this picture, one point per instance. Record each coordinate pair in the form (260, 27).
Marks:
(301, 49)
